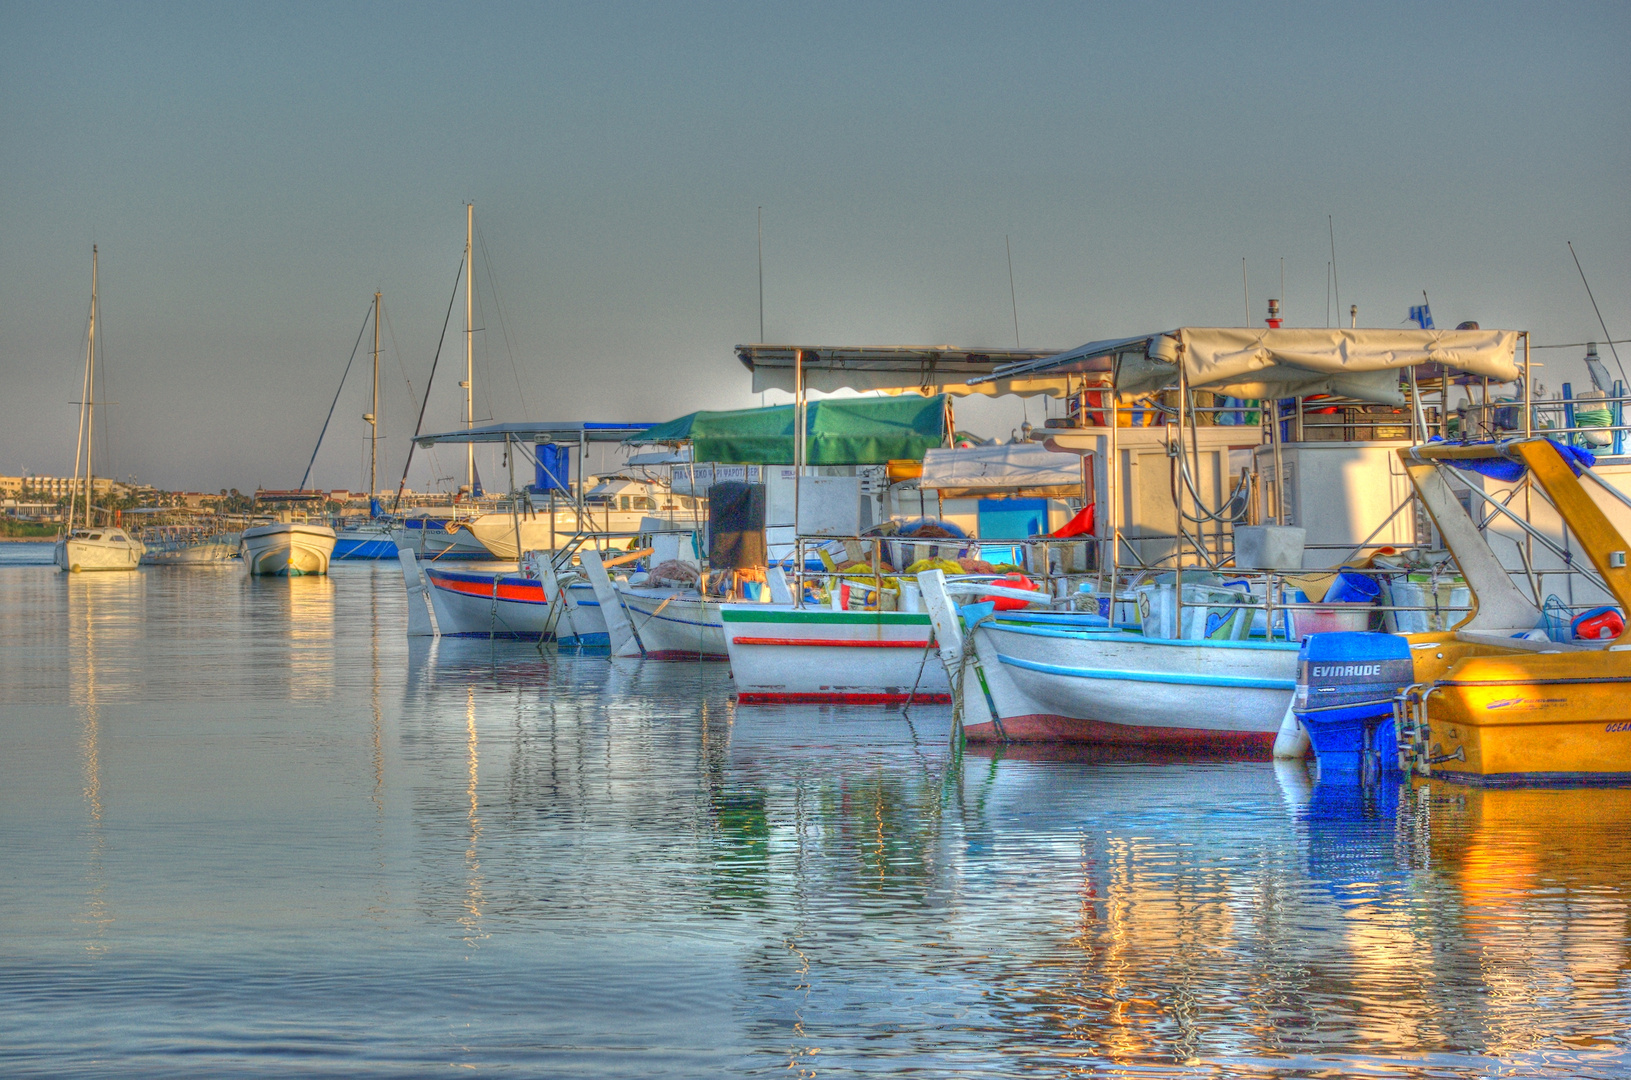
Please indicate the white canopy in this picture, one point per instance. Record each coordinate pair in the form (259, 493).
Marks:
(1251, 363)
(892, 369)
(1003, 469)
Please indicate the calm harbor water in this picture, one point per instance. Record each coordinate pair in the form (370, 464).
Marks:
(249, 829)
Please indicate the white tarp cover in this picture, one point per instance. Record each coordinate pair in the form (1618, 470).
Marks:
(1251, 363)
(1022, 466)
(891, 369)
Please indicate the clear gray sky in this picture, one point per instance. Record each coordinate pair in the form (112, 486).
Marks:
(254, 172)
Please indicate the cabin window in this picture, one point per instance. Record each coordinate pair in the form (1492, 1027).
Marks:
(644, 502)
(625, 502)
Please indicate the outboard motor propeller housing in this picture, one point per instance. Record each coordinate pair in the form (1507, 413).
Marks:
(1346, 684)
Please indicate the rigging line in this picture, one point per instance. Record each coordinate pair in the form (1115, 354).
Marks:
(419, 424)
(1581, 344)
(337, 391)
(503, 326)
(396, 351)
(1600, 321)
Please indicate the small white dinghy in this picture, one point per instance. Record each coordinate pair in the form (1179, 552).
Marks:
(287, 548)
(108, 548)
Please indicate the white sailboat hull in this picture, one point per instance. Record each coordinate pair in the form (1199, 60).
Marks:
(287, 549)
(673, 624)
(98, 549)
(781, 654)
(1062, 685)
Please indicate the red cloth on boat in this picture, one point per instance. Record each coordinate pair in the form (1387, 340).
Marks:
(1080, 525)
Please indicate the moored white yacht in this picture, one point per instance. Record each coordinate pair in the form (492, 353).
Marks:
(108, 548)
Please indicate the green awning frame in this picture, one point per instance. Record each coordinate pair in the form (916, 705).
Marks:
(839, 431)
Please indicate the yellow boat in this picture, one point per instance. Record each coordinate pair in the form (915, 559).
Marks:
(1491, 708)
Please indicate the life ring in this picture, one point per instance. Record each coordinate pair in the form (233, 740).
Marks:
(1011, 581)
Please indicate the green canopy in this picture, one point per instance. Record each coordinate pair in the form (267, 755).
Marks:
(840, 431)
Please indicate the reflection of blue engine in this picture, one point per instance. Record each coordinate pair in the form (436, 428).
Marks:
(1345, 689)
(1353, 840)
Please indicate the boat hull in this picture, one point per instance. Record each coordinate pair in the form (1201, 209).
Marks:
(287, 549)
(364, 544)
(1060, 685)
(672, 625)
(428, 538)
(1533, 718)
(114, 551)
(783, 654)
(216, 549)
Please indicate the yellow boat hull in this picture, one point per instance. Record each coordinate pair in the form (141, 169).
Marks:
(1524, 717)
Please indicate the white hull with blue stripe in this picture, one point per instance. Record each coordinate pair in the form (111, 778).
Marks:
(674, 624)
(1058, 682)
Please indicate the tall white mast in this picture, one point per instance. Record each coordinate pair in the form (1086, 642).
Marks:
(90, 394)
(373, 416)
(84, 397)
(469, 345)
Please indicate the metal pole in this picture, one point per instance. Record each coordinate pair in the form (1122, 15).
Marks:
(469, 345)
(798, 432)
(373, 417)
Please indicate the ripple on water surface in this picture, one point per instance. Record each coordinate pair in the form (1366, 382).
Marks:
(252, 830)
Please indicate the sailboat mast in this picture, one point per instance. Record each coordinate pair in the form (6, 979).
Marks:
(90, 396)
(84, 396)
(373, 416)
(469, 345)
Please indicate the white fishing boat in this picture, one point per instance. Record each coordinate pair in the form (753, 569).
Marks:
(287, 548)
(510, 603)
(91, 547)
(779, 653)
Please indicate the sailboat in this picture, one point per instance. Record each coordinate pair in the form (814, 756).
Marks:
(369, 538)
(90, 546)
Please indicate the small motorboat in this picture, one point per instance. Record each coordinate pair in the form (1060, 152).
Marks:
(287, 548)
(1502, 697)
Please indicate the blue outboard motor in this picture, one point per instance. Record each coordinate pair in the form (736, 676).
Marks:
(1345, 689)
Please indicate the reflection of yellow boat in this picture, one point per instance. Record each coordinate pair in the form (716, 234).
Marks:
(1489, 707)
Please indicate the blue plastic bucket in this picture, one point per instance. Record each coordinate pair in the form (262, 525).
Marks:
(1351, 588)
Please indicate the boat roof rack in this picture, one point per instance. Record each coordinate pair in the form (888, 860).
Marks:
(544, 431)
(826, 368)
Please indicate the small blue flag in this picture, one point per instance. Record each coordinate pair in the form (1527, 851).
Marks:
(1421, 316)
